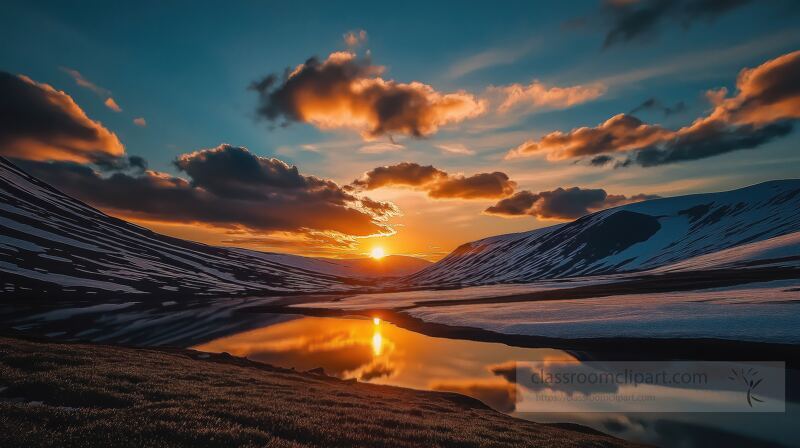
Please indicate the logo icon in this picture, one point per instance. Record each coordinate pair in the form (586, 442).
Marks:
(751, 379)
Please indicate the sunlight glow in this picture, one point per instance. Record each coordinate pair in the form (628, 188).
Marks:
(376, 320)
(377, 343)
(377, 253)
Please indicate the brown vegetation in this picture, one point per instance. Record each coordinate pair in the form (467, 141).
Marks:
(64, 394)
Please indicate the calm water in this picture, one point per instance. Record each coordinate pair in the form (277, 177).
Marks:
(382, 353)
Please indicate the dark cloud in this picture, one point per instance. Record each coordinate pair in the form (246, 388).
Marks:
(231, 171)
(124, 163)
(561, 203)
(406, 174)
(652, 104)
(278, 198)
(38, 122)
(712, 140)
(517, 205)
(765, 107)
(631, 20)
(601, 160)
(347, 92)
(437, 183)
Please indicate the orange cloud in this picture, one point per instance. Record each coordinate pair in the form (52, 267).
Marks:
(765, 106)
(539, 95)
(354, 38)
(437, 183)
(42, 123)
(140, 122)
(111, 104)
(618, 133)
(347, 92)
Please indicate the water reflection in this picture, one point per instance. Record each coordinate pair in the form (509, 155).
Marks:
(375, 351)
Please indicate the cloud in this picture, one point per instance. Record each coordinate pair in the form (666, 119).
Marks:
(765, 107)
(570, 203)
(85, 83)
(601, 160)
(541, 96)
(455, 148)
(347, 92)
(656, 105)
(227, 186)
(140, 121)
(38, 122)
(437, 183)
(618, 133)
(477, 186)
(331, 243)
(707, 140)
(111, 104)
(408, 174)
(492, 57)
(632, 20)
(354, 38)
(380, 147)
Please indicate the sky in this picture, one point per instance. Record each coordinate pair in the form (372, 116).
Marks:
(329, 129)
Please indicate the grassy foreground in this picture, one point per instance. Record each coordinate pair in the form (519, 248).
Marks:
(64, 394)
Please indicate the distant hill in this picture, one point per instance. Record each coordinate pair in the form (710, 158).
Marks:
(389, 266)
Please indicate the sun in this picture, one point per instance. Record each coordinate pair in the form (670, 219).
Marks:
(377, 253)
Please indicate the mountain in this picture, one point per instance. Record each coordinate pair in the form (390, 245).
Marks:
(633, 237)
(388, 266)
(53, 246)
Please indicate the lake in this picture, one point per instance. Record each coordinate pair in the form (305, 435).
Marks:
(379, 352)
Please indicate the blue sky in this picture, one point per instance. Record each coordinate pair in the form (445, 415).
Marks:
(185, 67)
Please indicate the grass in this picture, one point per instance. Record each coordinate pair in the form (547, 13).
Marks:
(70, 395)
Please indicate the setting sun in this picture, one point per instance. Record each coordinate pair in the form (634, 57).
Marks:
(377, 253)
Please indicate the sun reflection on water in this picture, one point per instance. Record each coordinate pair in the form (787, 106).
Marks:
(377, 338)
(377, 343)
(379, 352)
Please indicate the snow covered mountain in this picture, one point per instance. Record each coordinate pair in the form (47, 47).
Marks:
(633, 237)
(53, 246)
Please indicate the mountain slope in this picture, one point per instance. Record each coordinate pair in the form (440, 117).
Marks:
(633, 237)
(52, 246)
(780, 251)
